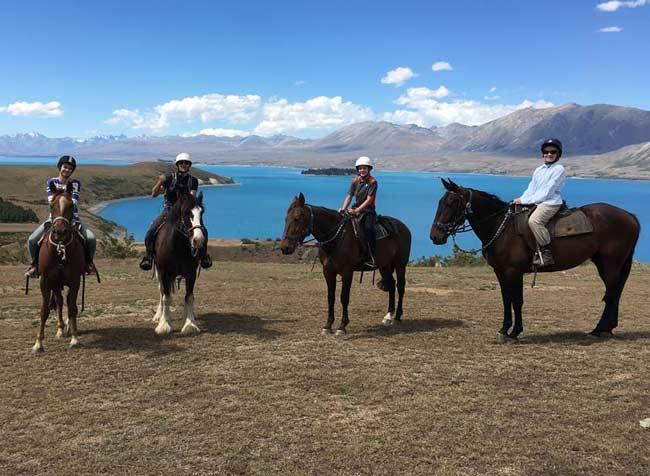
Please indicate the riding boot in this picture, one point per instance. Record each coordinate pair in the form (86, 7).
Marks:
(149, 241)
(543, 257)
(32, 272)
(372, 252)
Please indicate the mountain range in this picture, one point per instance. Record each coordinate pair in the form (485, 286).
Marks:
(586, 131)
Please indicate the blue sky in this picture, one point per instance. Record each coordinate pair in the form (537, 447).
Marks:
(306, 68)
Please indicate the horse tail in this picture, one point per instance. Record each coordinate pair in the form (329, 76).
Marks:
(627, 265)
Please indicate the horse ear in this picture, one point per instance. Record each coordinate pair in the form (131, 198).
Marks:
(445, 183)
(453, 185)
(301, 200)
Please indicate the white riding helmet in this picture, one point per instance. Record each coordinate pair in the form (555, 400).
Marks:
(183, 157)
(363, 161)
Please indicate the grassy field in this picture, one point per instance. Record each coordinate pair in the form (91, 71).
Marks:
(261, 392)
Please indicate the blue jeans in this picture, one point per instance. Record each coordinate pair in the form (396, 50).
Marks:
(34, 239)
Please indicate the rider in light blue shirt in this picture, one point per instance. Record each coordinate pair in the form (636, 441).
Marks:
(544, 191)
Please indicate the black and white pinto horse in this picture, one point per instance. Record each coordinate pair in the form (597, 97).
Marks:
(178, 246)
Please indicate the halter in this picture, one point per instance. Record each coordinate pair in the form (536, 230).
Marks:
(187, 231)
(60, 246)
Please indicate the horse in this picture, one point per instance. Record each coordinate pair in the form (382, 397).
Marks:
(177, 249)
(610, 247)
(340, 253)
(61, 263)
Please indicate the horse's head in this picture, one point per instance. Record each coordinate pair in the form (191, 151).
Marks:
(61, 210)
(190, 218)
(451, 212)
(297, 225)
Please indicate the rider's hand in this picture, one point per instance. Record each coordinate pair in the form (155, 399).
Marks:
(516, 201)
(341, 210)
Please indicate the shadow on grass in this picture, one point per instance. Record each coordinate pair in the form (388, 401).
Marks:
(130, 339)
(581, 338)
(409, 327)
(238, 324)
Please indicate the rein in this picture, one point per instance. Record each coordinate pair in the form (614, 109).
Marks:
(310, 231)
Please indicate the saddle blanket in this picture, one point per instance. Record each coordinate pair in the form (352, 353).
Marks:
(567, 222)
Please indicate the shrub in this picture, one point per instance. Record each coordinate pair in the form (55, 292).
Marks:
(11, 213)
(457, 258)
(119, 248)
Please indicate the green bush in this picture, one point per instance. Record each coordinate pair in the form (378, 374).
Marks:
(10, 213)
(457, 258)
(119, 248)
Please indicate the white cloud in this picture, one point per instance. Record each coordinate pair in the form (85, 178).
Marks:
(492, 89)
(398, 76)
(300, 82)
(614, 5)
(223, 132)
(611, 29)
(210, 107)
(281, 116)
(441, 66)
(492, 98)
(425, 110)
(34, 109)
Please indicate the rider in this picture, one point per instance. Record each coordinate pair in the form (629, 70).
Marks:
(66, 165)
(544, 191)
(364, 190)
(171, 184)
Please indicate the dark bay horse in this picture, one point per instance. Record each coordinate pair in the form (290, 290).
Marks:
(61, 261)
(340, 254)
(610, 246)
(178, 245)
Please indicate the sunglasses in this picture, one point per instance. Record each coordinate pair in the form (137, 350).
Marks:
(549, 152)
(183, 162)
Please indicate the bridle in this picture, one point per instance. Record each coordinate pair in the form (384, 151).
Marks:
(340, 230)
(186, 231)
(60, 246)
(459, 226)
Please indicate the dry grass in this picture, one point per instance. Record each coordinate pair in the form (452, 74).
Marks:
(261, 392)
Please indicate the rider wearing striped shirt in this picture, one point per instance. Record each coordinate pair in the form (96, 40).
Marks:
(66, 165)
(544, 191)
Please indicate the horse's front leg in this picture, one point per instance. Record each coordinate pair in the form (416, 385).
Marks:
(62, 328)
(73, 311)
(190, 326)
(506, 296)
(45, 312)
(346, 284)
(517, 287)
(330, 279)
(166, 283)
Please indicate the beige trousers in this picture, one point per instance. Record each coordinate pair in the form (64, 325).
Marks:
(538, 220)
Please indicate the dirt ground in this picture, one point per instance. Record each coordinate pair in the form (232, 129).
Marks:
(261, 392)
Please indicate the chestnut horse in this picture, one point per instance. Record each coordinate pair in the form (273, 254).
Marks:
(177, 250)
(610, 246)
(61, 263)
(341, 254)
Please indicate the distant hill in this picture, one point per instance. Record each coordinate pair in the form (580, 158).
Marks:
(586, 131)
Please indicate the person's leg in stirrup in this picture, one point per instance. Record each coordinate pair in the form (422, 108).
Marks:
(369, 220)
(149, 242)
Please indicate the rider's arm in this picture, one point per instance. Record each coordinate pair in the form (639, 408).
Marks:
(346, 203)
(158, 188)
(194, 185)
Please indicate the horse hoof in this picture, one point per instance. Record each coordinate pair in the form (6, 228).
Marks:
(190, 328)
(341, 332)
(163, 329)
(37, 349)
(325, 332)
(59, 333)
(387, 321)
(506, 339)
(74, 345)
(600, 335)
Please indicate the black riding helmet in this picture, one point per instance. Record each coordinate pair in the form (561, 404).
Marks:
(555, 143)
(67, 159)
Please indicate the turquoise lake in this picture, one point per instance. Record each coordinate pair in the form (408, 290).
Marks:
(255, 207)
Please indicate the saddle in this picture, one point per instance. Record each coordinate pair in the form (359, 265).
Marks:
(566, 222)
(385, 227)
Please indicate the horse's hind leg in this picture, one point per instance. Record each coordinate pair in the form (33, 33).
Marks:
(190, 326)
(159, 310)
(45, 312)
(62, 327)
(400, 272)
(614, 278)
(388, 284)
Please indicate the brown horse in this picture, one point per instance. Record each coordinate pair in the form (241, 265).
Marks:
(61, 261)
(178, 245)
(610, 246)
(341, 254)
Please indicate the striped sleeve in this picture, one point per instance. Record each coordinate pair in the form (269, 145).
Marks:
(48, 189)
(76, 189)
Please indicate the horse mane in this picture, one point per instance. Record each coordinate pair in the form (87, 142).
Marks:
(491, 202)
(183, 202)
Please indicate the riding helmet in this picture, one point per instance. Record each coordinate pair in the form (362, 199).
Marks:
(67, 159)
(555, 143)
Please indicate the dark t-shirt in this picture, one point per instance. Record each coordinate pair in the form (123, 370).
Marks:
(176, 183)
(363, 187)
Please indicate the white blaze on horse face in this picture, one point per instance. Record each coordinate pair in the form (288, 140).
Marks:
(198, 238)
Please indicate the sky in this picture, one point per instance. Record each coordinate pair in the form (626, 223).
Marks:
(301, 68)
